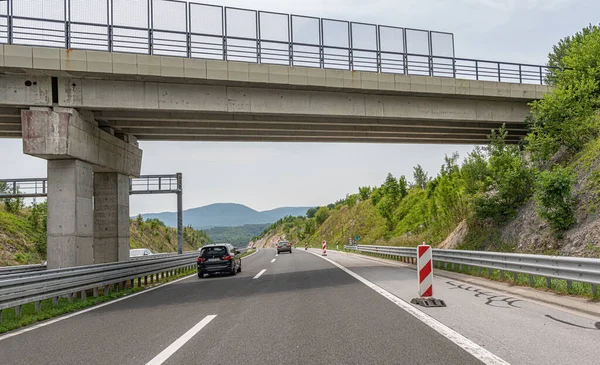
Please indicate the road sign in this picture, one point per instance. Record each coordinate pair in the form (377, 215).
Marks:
(358, 238)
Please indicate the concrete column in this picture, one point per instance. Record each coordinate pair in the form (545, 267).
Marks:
(111, 217)
(70, 213)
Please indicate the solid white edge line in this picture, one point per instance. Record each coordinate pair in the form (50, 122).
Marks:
(273, 260)
(253, 253)
(61, 318)
(172, 348)
(471, 347)
(259, 274)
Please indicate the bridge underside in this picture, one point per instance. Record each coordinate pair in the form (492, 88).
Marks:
(198, 126)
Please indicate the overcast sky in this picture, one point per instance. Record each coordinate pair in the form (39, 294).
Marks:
(270, 175)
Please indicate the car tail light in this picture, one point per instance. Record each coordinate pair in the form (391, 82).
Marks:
(288, 245)
(226, 258)
(201, 260)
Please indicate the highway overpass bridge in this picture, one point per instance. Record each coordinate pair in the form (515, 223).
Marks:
(81, 89)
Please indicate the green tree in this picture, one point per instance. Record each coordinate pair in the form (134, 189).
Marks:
(568, 115)
(420, 177)
(310, 213)
(562, 49)
(322, 215)
(554, 198)
(364, 193)
(510, 180)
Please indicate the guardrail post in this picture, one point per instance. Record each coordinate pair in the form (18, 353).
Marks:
(83, 295)
(106, 289)
(476, 70)
(140, 281)
(549, 282)
(594, 292)
(569, 285)
(520, 75)
(70, 298)
(18, 310)
(0, 315)
(55, 301)
(489, 272)
(38, 306)
(501, 274)
(541, 76)
(530, 280)
(478, 270)
(515, 276)
(95, 292)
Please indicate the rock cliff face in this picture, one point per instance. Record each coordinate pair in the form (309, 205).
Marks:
(269, 241)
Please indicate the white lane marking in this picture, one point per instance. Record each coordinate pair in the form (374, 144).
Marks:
(43, 324)
(276, 255)
(62, 318)
(166, 353)
(471, 347)
(259, 274)
(273, 260)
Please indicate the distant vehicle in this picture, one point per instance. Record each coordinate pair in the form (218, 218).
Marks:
(219, 258)
(138, 252)
(284, 246)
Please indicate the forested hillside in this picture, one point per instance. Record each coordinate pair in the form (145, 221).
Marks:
(541, 195)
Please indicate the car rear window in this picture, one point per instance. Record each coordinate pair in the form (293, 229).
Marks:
(209, 252)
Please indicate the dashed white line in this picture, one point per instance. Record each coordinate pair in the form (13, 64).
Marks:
(471, 347)
(259, 274)
(166, 353)
(273, 260)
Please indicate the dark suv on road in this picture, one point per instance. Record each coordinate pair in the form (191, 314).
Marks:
(221, 257)
(284, 246)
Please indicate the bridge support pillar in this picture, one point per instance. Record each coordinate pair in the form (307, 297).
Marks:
(88, 179)
(111, 217)
(70, 229)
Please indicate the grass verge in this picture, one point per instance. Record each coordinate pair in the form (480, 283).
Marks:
(29, 316)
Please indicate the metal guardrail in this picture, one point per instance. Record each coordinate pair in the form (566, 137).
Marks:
(7, 270)
(195, 30)
(18, 289)
(570, 269)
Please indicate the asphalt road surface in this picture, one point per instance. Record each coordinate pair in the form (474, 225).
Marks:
(286, 309)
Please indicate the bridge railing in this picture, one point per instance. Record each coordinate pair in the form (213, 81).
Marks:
(195, 30)
(570, 269)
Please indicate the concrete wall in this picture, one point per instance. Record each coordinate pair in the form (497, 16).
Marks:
(65, 133)
(105, 94)
(111, 217)
(70, 212)
(62, 62)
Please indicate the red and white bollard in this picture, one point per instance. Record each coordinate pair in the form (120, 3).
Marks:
(305, 246)
(425, 278)
(324, 244)
(425, 271)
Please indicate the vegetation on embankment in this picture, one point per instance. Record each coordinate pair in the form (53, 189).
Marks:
(539, 196)
(23, 234)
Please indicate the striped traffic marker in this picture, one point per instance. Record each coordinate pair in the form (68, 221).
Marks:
(324, 244)
(425, 278)
(425, 271)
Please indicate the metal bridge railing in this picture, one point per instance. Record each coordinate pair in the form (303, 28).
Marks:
(145, 184)
(570, 269)
(195, 30)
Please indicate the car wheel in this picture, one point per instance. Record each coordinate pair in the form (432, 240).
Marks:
(200, 275)
(233, 271)
(240, 268)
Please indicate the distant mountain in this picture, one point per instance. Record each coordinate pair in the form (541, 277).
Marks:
(237, 236)
(226, 215)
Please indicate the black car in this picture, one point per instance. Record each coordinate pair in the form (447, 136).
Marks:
(219, 258)
(284, 246)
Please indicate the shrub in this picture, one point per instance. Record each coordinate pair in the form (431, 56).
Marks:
(555, 199)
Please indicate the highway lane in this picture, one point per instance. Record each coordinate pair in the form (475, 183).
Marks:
(301, 310)
(518, 330)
